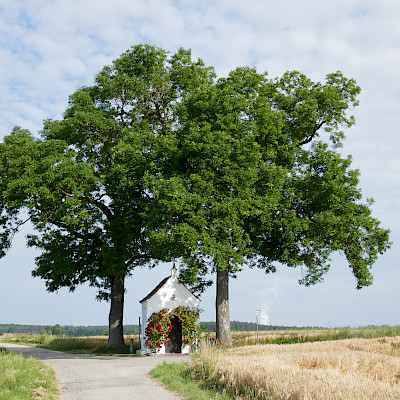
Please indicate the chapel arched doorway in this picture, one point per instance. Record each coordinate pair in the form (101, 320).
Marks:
(175, 335)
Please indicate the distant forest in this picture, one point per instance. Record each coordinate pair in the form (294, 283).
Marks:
(100, 330)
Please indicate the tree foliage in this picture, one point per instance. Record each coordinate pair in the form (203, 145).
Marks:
(159, 159)
(81, 184)
(260, 181)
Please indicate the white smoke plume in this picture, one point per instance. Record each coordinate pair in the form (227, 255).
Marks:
(268, 297)
(263, 318)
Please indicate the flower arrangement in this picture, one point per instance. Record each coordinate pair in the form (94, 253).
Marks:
(159, 326)
(188, 318)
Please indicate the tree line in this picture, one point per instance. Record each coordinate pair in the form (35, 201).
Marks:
(101, 330)
(67, 330)
(159, 160)
(240, 326)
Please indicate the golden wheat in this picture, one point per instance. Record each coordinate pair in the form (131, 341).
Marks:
(339, 370)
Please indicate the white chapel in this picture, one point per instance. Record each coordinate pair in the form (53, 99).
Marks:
(169, 293)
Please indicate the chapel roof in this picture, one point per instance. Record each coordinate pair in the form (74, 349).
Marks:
(156, 289)
(162, 283)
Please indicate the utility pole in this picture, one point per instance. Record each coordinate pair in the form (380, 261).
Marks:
(257, 312)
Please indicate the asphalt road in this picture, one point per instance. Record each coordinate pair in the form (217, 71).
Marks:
(84, 377)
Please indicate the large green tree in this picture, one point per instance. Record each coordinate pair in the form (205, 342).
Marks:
(81, 184)
(158, 160)
(258, 180)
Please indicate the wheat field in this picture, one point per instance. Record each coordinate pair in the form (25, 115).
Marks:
(334, 370)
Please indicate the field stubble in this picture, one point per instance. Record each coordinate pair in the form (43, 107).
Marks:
(335, 370)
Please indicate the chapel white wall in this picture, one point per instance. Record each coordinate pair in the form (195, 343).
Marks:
(173, 294)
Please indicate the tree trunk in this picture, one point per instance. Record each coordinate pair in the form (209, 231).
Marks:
(223, 333)
(115, 318)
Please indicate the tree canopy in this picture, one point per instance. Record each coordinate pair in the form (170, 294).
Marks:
(159, 159)
(259, 181)
(81, 183)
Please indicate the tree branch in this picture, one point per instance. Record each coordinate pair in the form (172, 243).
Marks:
(18, 225)
(314, 132)
(101, 206)
(136, 258)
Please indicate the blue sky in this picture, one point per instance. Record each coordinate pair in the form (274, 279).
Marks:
(49, 48)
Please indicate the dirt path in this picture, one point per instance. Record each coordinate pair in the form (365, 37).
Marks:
(95, 378)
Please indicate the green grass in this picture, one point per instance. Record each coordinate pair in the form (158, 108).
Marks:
(81, 345)
(30, 340)
(364, 332)
(92, 346)
(178, 379)
(25, 378)
(315, 335)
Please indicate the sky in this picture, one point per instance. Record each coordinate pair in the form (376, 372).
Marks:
(50, 48)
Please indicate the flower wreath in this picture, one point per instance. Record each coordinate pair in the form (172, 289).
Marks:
(159, 326)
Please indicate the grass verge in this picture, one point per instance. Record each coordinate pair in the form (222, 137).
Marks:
(23, 378)
(74, 345)
(177, 378)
